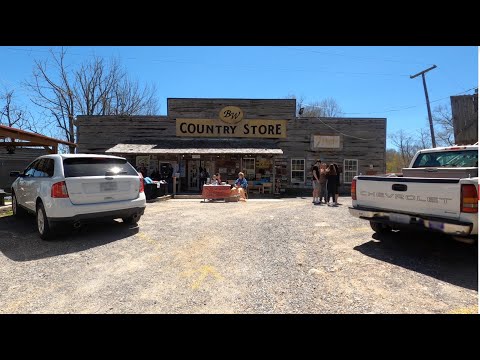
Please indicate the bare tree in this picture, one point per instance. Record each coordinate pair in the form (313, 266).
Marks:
(105, 89)
(443, 119)
(324, 108)
(94, 85)
(330, 108)
(94, 88)
(129, 98)
(14, 115)
(10, 113)
(54, 92)
(406, 144)
(424, 138)
(299, 101)
(313, 109)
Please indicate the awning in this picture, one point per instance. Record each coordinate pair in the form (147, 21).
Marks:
(199, 146)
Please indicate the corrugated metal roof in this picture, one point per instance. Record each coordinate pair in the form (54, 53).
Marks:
(199, 146)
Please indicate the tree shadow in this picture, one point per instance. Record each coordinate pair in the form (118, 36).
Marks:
(432, 254)
(20, 241)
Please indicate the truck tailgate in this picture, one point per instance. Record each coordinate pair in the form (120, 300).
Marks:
(434, 197)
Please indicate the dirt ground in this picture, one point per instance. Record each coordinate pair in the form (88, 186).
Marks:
(262, 256)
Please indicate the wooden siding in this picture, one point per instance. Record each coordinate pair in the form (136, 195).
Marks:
(273, 109)
(371, 151)
(16, 162)
(95, 134)
(465, 118)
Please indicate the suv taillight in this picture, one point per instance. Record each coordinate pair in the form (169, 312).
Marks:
(354, 189)
(469, 200)
(59, 190)
(142, 187)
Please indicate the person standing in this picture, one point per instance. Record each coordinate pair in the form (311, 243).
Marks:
(219, 178)
(331, 184)
(316, 182)
(323, 182)
(202, 177)
(337, 185)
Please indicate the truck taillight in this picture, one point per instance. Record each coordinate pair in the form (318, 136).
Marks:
(142, 187)
(354, 189)
(469, 199)
(59, 190)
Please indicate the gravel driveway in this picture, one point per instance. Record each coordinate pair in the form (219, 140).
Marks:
(262, 256)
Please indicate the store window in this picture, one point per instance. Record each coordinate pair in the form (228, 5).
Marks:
(249, 168)
(350, 170)
(298, 170)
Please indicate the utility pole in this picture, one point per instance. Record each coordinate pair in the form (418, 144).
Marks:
(428, 102)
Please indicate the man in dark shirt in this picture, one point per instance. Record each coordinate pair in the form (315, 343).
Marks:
(316, 182)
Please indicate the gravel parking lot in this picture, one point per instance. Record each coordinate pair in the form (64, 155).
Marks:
(262, 256)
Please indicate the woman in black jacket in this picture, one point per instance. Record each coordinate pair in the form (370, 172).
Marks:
(331, 184)
(337, 169)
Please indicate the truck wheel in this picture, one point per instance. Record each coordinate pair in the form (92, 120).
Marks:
(380, 228)
(43, 225)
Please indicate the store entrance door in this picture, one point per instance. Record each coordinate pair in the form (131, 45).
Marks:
(192, 171)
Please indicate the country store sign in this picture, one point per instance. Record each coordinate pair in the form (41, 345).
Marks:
(230, 123)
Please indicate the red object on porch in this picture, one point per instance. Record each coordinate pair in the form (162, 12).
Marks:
(216, 191)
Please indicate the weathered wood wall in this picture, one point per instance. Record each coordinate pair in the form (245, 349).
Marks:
(274, 109)
(465, 118)
(371, 151)
(16, 162)
(95, 134)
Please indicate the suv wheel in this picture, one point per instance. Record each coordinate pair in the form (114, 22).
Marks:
(16, 209)
(43, 226)
(380, 228)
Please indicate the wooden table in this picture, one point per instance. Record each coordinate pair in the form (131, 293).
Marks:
(216, 192)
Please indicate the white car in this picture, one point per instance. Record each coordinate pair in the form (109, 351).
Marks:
(74, 188)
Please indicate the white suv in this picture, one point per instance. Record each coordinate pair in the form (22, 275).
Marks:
(78, 187)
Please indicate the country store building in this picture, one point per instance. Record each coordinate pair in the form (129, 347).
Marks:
(264, 138)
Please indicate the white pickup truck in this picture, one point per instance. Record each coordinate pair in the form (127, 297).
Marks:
(438, 192)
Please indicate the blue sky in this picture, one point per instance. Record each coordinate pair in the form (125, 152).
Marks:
(365, 81)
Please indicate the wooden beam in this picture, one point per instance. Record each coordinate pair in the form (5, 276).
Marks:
(19, 144)
(27, 137)
(6, 131)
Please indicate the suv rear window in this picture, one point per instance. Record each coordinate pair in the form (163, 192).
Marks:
(75, 167)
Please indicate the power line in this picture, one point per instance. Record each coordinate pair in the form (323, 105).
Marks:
(359, 138)
(400, 108)
(244, 67)
(351, 136)
(354, 56)
(45, 51)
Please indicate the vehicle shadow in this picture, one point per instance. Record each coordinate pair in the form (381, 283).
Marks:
(20, 241)
(435, 255)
